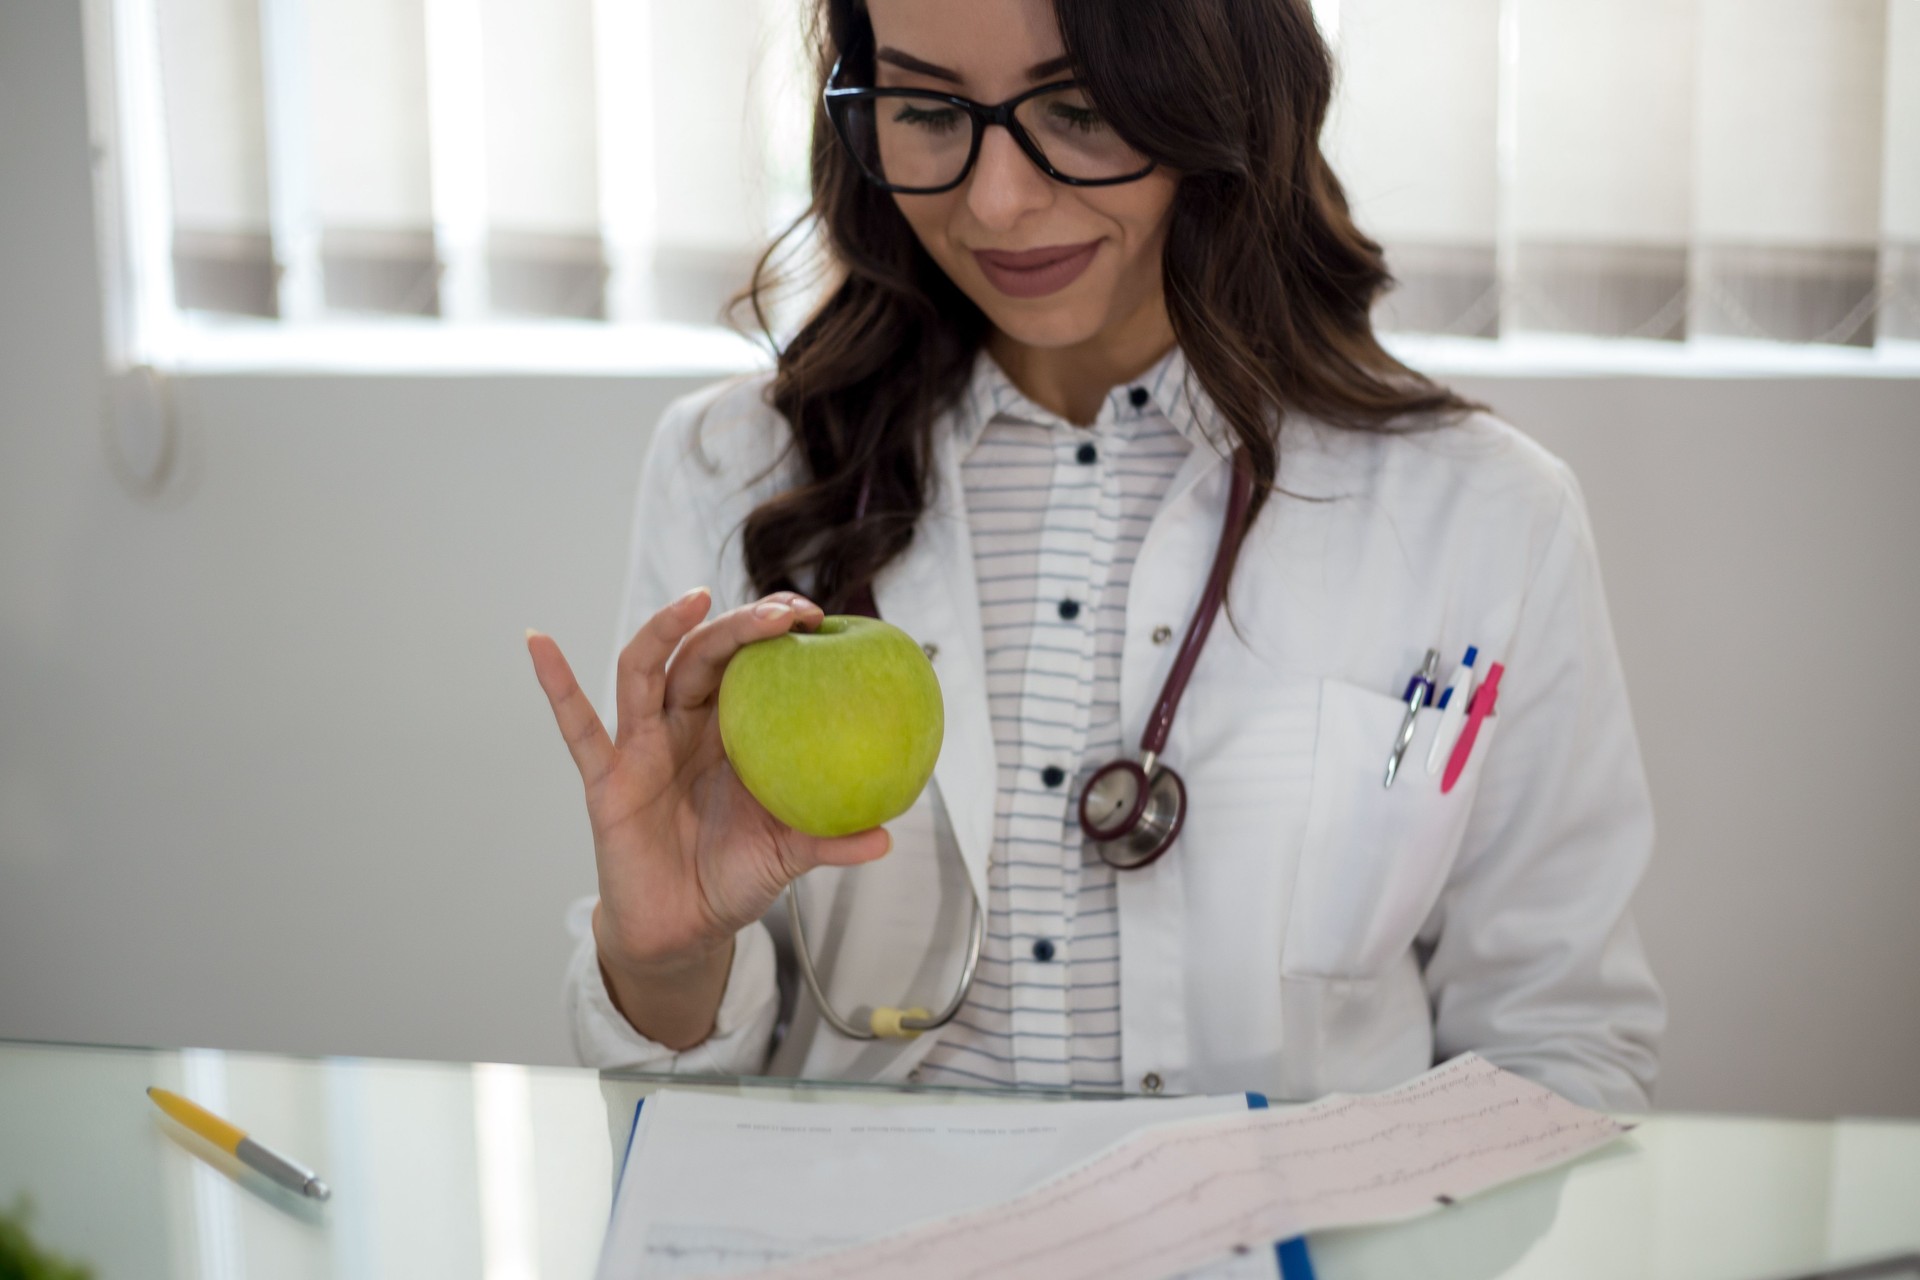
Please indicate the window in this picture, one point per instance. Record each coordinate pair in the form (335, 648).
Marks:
(1657, 169)
(1661, 170)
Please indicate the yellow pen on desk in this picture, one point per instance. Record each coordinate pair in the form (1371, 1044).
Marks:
(235, 1142)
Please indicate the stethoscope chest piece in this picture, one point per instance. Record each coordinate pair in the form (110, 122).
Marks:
(1133, 811)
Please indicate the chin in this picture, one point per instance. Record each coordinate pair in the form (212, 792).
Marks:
(1059, 325)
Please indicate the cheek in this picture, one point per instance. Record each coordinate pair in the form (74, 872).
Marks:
(1144, 208)
(1142, 212)
(927, 217)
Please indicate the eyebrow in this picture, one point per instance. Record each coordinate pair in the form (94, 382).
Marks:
(907, 62)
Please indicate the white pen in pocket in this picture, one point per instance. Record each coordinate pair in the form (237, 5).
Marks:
(1453, 711)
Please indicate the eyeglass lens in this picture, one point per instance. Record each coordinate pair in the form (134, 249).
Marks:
(914, 141)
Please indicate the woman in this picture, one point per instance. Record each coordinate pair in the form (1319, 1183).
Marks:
(1095, 278)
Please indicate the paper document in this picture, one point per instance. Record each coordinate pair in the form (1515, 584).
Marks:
(719, 1185)
(1176, 1196)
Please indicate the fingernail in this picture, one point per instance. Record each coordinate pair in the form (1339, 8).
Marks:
(531, 633)
(772, 609)
(889, 836)
(691, 594)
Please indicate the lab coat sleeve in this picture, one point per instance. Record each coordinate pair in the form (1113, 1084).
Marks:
(742, 1030)
(677, 543)
(1533, 958)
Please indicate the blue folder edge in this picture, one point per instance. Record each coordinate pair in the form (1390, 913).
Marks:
(1290, 1254)
(625, 1158)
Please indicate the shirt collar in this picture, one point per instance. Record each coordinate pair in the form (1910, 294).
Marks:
(1173, 391)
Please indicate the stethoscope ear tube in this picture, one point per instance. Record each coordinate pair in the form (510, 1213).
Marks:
(885, 1022)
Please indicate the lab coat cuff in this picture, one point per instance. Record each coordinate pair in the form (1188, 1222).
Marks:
(743, 1026)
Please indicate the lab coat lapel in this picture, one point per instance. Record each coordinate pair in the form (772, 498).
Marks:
(929, 591)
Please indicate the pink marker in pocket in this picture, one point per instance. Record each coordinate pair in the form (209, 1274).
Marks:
(1479, 709)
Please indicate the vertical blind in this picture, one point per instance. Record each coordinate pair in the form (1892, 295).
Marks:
(1654, 169)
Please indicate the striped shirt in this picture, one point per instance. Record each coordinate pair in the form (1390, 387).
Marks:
(1058, 514)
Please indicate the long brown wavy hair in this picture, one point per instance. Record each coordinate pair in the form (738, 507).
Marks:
(1268, 283)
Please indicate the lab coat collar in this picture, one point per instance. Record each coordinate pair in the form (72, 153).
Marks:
(1172, 388)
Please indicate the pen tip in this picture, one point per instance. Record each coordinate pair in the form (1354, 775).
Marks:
(318, 1189)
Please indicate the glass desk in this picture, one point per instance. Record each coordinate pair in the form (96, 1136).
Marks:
(505, 1172)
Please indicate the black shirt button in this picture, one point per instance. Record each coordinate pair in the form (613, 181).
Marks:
(1053, 775)
(1069, 609)
(1139, 397)
(1088, 455)
(1042, 950)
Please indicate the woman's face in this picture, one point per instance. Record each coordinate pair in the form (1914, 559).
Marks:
(1006, 205)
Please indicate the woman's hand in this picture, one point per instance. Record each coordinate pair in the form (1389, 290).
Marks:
(686, 856)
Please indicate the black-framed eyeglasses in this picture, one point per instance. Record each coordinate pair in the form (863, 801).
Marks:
(917, 142)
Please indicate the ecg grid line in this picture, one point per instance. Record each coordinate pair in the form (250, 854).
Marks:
(1179, 1195)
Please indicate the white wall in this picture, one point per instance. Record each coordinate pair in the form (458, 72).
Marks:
(1759, 540)
(275, 774)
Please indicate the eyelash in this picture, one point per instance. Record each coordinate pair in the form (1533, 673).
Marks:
(948, 119)
(1081, 118)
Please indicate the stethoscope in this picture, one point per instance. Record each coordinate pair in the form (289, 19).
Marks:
(1132, 810)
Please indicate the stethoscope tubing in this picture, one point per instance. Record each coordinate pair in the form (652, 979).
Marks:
(913, 1021)
(1154, 740)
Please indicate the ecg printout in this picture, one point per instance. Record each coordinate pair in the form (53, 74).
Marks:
(1179, 1195)
(719, 1185)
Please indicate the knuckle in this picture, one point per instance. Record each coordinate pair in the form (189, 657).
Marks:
(775, 615)
(649, 683)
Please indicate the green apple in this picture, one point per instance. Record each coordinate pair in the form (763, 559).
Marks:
(834, 730)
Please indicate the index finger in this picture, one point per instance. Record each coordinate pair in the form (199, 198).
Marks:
(586, 739)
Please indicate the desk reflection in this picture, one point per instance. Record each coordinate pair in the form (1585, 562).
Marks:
(486, 1169)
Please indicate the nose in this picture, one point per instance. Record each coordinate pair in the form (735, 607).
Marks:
(1005, 184)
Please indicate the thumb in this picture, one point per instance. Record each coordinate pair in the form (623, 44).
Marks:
(843, 851)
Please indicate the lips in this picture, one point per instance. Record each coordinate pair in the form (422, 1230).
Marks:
(1032, 273)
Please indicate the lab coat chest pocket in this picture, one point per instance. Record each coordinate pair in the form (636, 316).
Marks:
(1374, 859)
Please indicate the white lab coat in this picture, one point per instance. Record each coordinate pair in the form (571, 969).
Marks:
(1311, 930)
